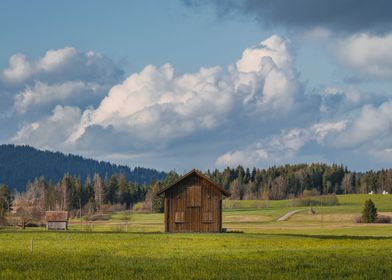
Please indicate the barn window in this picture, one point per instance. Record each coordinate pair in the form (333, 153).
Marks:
(179, 217)
(207, 217)
(194, 196)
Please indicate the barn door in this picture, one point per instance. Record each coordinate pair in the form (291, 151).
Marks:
(194, 196)
(193, 201)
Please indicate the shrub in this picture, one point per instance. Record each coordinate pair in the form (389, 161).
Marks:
(138, 207)
(3, 221)
(116, 208)
(245, 204)
(324, 200)
(259, 204)
(329, 200)
(74, 213)
(382, 219)
(99, 217)
(369, 212)
(231, 204)
(32, 224)
(312, 192)
(157, 200)
(104, 209)
(357, 219)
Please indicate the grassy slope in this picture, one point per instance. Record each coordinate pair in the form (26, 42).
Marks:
(250, 218)
(325, 245)
(337, 220)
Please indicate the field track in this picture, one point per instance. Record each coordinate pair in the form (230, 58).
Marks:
(288, 215)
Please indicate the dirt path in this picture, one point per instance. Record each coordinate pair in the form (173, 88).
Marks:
(288, 215)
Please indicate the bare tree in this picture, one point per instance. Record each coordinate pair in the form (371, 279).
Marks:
(25, 211)
(98, 190)
(36, 196)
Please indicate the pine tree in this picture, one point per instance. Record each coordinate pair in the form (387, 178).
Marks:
(124, 195)
(5, 201)
(89, 189)
(157, 201)
(111, 190)
(369, 212)
(64, 192)
(98, 190)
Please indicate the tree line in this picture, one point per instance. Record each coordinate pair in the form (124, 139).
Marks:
(71, 193)
(287, 181)
(96, 194)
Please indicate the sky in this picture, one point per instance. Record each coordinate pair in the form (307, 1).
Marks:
(183, 84)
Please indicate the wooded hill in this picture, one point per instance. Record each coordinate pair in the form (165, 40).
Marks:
(20, 164)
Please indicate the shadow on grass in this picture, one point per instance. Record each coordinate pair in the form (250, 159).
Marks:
(72, 231)
(330, 236)
(223, 234)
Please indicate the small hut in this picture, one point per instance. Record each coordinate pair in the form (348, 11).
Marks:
(193, 204)
(56, 220)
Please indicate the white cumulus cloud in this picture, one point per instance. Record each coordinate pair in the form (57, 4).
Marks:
(371, 124)
(42, 93)
(19, 69)
(59, 65)
(156, 105)
(31, 88)
(368, 55)
(280, 148)
(51, 132)
(243, 157)
(265, 75)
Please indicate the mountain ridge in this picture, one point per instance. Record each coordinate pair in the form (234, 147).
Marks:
(22, 163)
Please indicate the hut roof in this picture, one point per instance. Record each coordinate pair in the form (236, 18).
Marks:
(56, 216)
(197, 173)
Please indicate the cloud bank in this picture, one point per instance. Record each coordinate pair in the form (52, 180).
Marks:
(56, 76)
(349, 16)
(256, 111)
(31, 89)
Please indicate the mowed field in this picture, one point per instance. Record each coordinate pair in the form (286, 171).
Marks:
(327, 245)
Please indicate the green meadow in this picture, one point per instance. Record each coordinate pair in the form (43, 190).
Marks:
(324, 245)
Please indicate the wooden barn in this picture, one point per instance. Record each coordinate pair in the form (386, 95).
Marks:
(193, 204)
(56, 220)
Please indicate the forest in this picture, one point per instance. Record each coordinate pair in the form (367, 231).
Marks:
(19, 164)
(288, 181)
(92, 196)
(96, 194)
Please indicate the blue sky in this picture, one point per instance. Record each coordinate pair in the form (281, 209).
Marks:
(205, 84)
(133, 33)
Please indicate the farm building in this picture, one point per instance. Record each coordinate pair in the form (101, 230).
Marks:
(193, 204)
(56, 220)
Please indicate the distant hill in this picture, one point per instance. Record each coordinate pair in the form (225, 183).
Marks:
(19, 164)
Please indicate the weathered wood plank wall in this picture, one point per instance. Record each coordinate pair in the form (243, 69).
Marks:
(193, 205)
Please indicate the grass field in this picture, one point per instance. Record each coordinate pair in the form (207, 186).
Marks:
(327, 245)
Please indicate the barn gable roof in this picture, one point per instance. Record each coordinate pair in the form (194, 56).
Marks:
(56, 216)
(201, 175)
